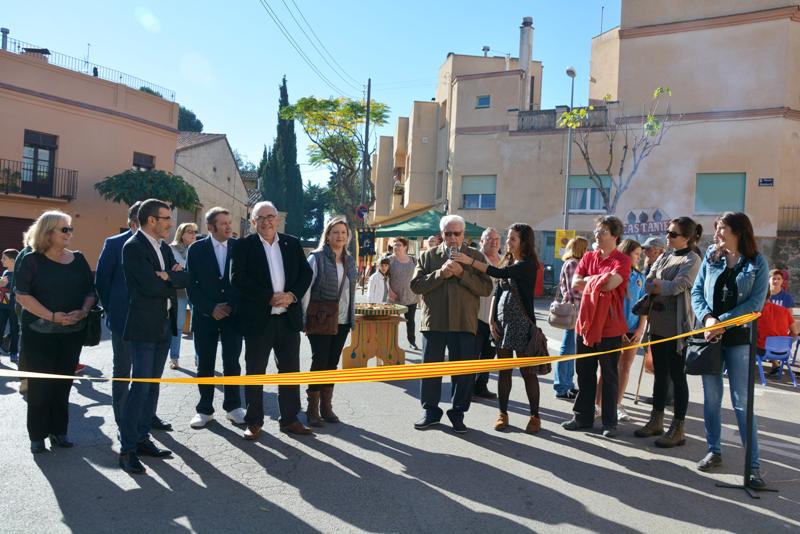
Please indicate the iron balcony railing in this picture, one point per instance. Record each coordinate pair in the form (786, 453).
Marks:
(789, 219)
(86, 67)
(547, 119)
(23, 178)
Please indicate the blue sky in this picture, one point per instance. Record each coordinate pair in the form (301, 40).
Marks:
(224, 60)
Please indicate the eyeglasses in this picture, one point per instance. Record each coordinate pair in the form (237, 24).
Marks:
(601, 231)
(268, 218)
(167, 218)
(453, 234)
(66, 229)
(673, 235)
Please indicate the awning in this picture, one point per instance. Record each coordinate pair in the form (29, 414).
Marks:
(422, 225)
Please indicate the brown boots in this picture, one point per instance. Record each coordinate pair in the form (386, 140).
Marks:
(325, 408)
(654, 427)
(312, 413)
(674, 436)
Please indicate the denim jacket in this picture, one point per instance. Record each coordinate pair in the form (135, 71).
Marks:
(751, 282)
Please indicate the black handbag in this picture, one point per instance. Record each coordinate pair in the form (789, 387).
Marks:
(94, 326)
(703, 357)
(642, 306)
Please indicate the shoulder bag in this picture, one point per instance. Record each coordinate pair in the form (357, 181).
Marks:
(322, 317)
(564, 314)
(703, 357)
(93, 326)
(537, 346)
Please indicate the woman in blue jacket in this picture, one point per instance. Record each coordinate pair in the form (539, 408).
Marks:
(732, 281)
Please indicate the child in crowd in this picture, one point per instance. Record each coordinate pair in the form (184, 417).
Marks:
(7, 314)
(378, 286)
(777, 295)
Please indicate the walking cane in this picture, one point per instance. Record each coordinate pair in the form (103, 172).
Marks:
(641, 371)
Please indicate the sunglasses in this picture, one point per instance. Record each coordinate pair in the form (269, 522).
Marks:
(453, 234)
(268, 218)
(66, 229)
(673, 235)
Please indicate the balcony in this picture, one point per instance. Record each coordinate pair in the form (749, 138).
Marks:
(547, 119)
(20, 178)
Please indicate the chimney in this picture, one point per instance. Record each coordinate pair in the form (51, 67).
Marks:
(5, 32)
(485, 50)
(525, 56)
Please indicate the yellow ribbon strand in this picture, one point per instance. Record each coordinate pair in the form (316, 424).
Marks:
(388, 373)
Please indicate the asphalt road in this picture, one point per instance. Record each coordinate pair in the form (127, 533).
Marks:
(375, 473)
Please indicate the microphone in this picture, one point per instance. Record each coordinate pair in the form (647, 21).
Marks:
(452, 250)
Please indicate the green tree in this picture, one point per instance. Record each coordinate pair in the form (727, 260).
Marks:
(337, 142)
(242, 163)
(625, 142)
(316, 202)
(187, 120)
(131, 185)
(279, 174)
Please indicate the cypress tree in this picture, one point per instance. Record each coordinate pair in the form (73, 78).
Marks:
(292, 181)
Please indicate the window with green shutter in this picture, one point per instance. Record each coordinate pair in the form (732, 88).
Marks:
(584, 194)
(478, 192)
(719, 192)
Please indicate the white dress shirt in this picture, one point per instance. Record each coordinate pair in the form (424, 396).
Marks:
(221, 252)
(276, 272)
(156, 243)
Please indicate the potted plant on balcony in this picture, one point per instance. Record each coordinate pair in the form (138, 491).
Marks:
(9, 181)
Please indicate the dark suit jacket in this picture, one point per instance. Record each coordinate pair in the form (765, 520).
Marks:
(147, 293)
(208, 288)
(250, 275)
(110, 281)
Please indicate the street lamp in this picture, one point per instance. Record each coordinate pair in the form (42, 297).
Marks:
(571, 73)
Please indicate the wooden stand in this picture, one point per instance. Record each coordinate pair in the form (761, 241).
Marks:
(374, 336)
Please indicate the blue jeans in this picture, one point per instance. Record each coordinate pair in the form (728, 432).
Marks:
(122, 369)
(147, 359)
(175, 346)
(459, 346)
(736, 360)
(563, 376)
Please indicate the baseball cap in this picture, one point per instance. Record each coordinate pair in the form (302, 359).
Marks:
(654, 242)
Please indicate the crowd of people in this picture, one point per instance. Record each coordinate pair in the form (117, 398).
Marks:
(261, 291)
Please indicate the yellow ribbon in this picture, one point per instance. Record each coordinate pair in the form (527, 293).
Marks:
(383, 373)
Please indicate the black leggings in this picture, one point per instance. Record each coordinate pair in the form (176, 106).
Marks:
(410, 325)
(504, 384)
(325, 352)
(668, 363)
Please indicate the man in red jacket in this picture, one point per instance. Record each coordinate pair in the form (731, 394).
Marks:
(601, 277)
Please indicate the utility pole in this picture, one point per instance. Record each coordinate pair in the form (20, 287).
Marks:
(571, 73)
(365, 157)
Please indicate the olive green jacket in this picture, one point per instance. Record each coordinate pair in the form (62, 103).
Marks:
(450, 304)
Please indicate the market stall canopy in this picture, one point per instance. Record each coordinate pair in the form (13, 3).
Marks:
(423, 225)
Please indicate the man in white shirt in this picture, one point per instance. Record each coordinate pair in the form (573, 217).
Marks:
(271, 273)
(214, 303)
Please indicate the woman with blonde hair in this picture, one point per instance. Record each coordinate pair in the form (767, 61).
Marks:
(563, 381)
(55, 287)
(185, 235)
(333, 280)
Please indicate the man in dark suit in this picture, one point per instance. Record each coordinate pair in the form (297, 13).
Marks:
(214, 304)
(110, 284)
(272, 275)
(152, 275)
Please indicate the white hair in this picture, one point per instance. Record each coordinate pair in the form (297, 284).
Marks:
(447, 219)
(485, 234)
(261, 204)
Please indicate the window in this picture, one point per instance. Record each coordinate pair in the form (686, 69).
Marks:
(584, 194)
(143, 162)
(478, 192)
(718, 192)
(38, 163)
(439, 184)
(483, 101)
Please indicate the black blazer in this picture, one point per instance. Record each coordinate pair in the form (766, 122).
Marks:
(250, 275)
(147, 293)
(208, 288)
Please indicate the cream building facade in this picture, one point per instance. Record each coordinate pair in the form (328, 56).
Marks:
(62, 130)
(485, 150)
(206, 162)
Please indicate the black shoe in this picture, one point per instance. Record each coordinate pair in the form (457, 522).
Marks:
(37, 446)
(457, 420)
(574, 424)
(756, 482)
(609, 431)
(148, 448)
(710, 461)
(60, 441)
(569, 395)
(129, 462)
(158, 424)
(427, 421)
(413, 345)
(484, 393)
